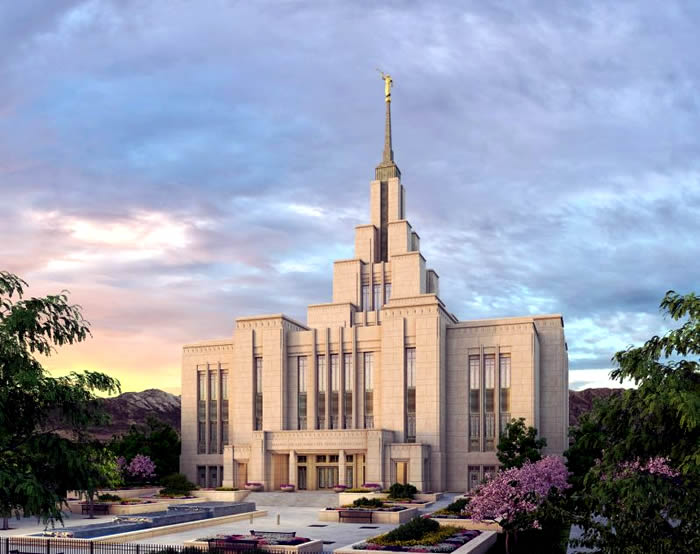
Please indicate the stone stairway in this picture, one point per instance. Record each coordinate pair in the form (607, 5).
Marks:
(308, 499)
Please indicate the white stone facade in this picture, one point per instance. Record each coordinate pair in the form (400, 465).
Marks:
(394, 366)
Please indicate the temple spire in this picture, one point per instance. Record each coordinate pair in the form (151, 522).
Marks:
(387, 168)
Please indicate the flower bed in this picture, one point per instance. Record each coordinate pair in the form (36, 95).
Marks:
(385, 514)
(255, 487)
(276, 542)
(425, 535)
(287, 487)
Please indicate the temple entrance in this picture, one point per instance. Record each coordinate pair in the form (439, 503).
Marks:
(326, 477)
(401, 472)
(301, 478)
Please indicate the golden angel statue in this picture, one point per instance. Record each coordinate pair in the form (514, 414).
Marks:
(388, 83)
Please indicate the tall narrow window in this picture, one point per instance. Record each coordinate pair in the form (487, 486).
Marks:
(258, 423)
(368, 360)
(321, 401)
(504, 364)
(377, 297)
(365, 298)
(201, 413)
(489, 400)
(348, 375)
(301, 382)
(410, 395)
(213, 408)
(224, 410)
(387, 292)
(335, 382)
(213, 413)
(474, 405)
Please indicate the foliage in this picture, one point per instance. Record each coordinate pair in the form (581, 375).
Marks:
(397, 490)
(458, 506)
(427, 539)
(140, 469)
(522, 497)
(519, 445)
(177, 484)
(38, 465)
(107, 497)
(411, 530)
(368, 502)
(636, 458)
(94, 468)
(157, 440)
(227, 489)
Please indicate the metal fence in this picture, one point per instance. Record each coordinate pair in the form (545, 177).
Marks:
(40, 545)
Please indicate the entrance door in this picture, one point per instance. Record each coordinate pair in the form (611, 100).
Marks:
(348, 476)
(327, 477)
(301, 478)
(401, 469)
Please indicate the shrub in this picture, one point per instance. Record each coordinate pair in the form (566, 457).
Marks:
(109, 498)
(397, 490)
(457, 506)
(228, 489)
(428, 539)
(177, 484)
(409, 531)
(368, 502)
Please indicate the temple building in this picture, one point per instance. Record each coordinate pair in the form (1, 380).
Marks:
(383, 384)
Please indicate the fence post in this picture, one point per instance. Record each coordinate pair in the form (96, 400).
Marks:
(92, 547)
(137, 548)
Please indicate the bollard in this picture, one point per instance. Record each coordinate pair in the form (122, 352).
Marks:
(278, 519)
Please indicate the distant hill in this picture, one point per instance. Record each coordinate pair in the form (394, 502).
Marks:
(581, 401)
(134, 408)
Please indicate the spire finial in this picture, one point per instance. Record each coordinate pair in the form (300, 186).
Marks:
(387, 168)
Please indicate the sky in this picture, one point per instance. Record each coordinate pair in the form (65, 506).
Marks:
(177, 164)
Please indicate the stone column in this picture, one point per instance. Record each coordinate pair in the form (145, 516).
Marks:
(341, 467)
(292, 480)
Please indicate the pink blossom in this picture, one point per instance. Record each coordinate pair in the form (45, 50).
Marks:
(141, 466)
(654, 466)
(519, 491)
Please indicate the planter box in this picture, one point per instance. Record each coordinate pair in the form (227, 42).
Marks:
(428, 496)
(128, 509)
(221, 496)
(377, 517)
(255, 488)
(345, 498)
(134, 493)
(478, 545)
(287, 488)
(486, 525)
(310, 547)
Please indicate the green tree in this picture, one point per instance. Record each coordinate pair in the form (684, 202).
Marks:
(94, 468)
(635, 460)
(157, 440)
(38, 465)
(519, 444)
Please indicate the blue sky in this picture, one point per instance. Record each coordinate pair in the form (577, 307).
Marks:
(177, 164)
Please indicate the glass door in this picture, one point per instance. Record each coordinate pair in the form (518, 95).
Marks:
(327, 477)
(301, 477)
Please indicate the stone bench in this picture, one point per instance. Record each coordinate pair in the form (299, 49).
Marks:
(358, 516)
(278, 535)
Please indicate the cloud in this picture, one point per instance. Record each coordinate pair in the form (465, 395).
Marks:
(176, 166)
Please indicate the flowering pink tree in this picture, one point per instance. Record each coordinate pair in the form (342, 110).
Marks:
(514, 497)
(141, 468)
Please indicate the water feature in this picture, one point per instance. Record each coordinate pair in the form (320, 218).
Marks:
(177, 513)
